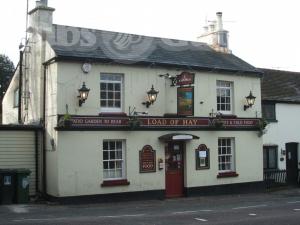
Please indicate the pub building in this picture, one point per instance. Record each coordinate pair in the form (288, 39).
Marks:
(137, 116)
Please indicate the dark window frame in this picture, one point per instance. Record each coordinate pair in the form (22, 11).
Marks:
(267, 116)
(267, 149)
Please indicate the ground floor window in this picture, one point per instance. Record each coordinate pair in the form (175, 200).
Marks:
(226, 154)
(113, 159)
(270, 157)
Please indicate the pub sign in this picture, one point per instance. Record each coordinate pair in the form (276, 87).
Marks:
(147, 159)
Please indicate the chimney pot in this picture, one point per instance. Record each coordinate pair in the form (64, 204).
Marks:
(219, 22)
(38, 3)
(44, 2)
(212, 27)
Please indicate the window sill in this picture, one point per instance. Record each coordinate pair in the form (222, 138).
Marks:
(227, 174)
(113, 114)
(111, 183)
(228, 116)
(272, 120)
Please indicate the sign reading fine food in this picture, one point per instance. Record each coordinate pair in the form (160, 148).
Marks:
(147, 160)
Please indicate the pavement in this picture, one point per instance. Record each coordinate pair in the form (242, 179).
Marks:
(280, 207)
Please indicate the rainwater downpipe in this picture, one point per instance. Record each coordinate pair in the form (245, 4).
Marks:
(20, 88)
(44, 178)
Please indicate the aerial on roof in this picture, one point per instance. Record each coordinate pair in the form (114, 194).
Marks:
(281, 86)
(82, 43)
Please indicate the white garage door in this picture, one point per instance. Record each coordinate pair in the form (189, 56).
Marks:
(17, 150)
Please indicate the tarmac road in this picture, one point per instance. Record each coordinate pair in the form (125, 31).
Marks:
(276, 208)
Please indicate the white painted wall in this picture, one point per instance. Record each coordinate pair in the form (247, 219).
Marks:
(74, 166)
(79, 161)
(74, 161)
(138, 80)
(37, 52)
(9, 112)
(285, 130)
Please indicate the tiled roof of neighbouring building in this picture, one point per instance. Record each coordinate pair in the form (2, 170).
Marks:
(281, 86)
(107, 46)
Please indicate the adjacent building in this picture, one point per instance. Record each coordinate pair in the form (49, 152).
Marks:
(281, 108)
(135, 115)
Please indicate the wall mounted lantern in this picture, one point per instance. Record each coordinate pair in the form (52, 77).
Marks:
(152, 95)
(250, 101)
(83, 94)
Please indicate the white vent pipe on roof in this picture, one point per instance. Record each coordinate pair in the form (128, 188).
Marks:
(219, 21)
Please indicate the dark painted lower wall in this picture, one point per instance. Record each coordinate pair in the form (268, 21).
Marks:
(116, 197)
(239, 188)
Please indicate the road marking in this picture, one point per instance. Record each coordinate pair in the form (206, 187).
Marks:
(118, 216)
(18, 209)
(72, 218)
(252, 214)
(250, 206)
(293, 202)
(199, 219)
(296, 209)
(33, 219)
(192, 211)
(184, 212)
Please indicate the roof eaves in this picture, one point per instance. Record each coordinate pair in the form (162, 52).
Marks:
(254, 73)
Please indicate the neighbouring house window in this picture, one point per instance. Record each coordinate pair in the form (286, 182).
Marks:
(16, 98)
(111, 92)
(224, 96)
(270, 157)
(226, 154)
(268, 111)
(113, 159)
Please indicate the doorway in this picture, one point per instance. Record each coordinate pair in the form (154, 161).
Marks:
(292, 162)
(174, 169)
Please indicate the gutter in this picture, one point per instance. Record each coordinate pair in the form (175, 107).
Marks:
(273, 101)
(254, 73)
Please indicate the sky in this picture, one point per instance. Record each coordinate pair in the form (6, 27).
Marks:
(265, 34)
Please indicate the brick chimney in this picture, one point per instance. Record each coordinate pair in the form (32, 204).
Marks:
(215, 36)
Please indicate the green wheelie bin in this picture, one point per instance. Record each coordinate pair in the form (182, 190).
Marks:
(22, 186)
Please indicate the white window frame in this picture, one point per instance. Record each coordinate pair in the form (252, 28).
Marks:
(16, 98)
(221, 87)
(221, 149)
(123, 160)
(113, 109)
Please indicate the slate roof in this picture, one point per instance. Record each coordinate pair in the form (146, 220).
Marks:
(136, 49)
(281, 86)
